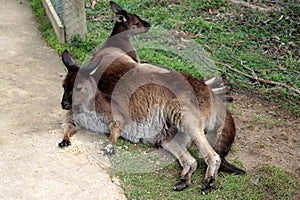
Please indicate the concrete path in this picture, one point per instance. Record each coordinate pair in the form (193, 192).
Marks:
(31, 164)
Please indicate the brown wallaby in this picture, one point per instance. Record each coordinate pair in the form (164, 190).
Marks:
(126, 26)
(110, 74)
(156, 106)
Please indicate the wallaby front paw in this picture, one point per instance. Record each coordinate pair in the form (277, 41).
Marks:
(64, 143)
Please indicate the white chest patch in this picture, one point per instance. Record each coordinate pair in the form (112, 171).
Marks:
(92, 121)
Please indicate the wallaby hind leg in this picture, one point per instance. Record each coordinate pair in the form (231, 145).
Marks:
(213, 161)
(211, 158)
(223, 145)
(69, 129)
(189, 164)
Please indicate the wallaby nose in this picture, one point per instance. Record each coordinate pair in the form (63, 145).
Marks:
(146, 24)
(66, 105)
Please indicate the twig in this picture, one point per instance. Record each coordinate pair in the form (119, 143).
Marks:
(202, 58)
(253, 72)
(288, 70)
(268, 82)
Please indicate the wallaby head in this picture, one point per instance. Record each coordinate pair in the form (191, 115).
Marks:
(127, 22)
(85, 86)
(69, 80)
(74, 77)
(126, 26)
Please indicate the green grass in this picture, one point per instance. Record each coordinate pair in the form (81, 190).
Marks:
(269, 183)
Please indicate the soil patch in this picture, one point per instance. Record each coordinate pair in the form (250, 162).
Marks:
(266, 134)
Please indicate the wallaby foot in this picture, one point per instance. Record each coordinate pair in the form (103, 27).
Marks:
(182, 184)
(64, 143)
(208, 185)
(189, 166)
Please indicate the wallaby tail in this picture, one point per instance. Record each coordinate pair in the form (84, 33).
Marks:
(220, 87)
(227, 167)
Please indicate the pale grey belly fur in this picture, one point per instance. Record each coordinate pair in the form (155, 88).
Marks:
(152, 131)
(133, 131)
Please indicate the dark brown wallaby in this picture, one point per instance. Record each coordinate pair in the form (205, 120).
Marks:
(126, 26)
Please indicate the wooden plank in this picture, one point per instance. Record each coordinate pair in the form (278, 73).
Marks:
(55, 21)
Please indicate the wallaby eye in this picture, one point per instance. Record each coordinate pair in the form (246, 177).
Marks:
(78, 89)
(137, 24)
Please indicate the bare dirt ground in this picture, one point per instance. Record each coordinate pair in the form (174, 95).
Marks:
(265, 135)
(33, 167)
(31, 164)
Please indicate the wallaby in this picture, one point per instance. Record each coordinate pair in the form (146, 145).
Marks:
(126, 26)
(155, 114)
(110, 78)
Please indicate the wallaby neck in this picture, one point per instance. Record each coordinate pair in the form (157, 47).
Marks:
(117, 29)
(121, 40)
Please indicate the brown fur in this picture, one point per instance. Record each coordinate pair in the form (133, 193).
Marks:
(226, 139)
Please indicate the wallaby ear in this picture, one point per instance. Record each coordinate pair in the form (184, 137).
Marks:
(120, 14)
(68, 61)
(115, 7)
(91, 68)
